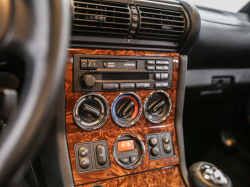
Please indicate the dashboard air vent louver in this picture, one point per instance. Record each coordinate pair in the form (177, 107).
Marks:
(160, 24)
(101, 18)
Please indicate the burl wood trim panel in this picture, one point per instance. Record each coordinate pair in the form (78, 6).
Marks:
(168, 177)
(110, 131)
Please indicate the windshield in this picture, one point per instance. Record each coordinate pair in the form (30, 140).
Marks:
(226, 5)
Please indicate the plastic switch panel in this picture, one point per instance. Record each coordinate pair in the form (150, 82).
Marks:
(92, 156)
(163, 148)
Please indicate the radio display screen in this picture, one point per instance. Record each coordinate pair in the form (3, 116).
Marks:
(126, 145)
(125, 76)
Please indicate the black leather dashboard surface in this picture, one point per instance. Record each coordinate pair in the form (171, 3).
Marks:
(223, 42)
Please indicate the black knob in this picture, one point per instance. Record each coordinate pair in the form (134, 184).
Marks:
(125, 106)
(87, 81)
(154, 151)
(153, 141)
(90, 111)
(157, 105)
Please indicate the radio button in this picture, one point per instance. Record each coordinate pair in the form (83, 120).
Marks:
(164, 76)
(84, 63)
(157, 76)
(142, 85)
(163, 62)
(109, 86)
(104, 64)
(89, 64)
(91, 60)
(162, 68)
(161, 85)
(92, 63)
(127, 85)
(150, 61)
(150, 68)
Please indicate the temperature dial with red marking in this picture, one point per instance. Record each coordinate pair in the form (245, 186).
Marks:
(126, 109)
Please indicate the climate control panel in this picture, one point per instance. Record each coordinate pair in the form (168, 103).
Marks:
(92, 110)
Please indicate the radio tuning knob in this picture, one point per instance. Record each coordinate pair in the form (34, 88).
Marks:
(87, 81)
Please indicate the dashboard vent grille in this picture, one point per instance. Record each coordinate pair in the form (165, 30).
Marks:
(160, 24)
(101, 18)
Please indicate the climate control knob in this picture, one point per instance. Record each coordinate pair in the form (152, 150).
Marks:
(126, 109)
(91, 111)
(157, 106)
(87, 81)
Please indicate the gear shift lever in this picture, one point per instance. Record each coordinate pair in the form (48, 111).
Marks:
(204, 174)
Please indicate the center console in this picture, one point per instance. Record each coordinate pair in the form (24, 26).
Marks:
(120, 114)
(124, 92)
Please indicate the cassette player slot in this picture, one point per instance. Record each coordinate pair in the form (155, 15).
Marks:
(125, 76)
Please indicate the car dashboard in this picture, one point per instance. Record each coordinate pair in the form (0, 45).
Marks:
(130, 66)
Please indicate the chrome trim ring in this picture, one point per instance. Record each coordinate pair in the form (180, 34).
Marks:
(97, 124)
(140, 160)
(146, 104)
(140, 110)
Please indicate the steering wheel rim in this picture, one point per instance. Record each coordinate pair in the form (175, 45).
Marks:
(38, 32)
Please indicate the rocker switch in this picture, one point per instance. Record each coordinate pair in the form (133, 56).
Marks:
(101, 155)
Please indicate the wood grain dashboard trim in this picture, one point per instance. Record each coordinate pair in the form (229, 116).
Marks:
(110, 131)
(167, 177)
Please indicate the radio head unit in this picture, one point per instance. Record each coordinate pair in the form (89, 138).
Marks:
(112, 73)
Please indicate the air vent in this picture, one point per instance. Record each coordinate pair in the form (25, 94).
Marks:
(160, 24)
(101, 18)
